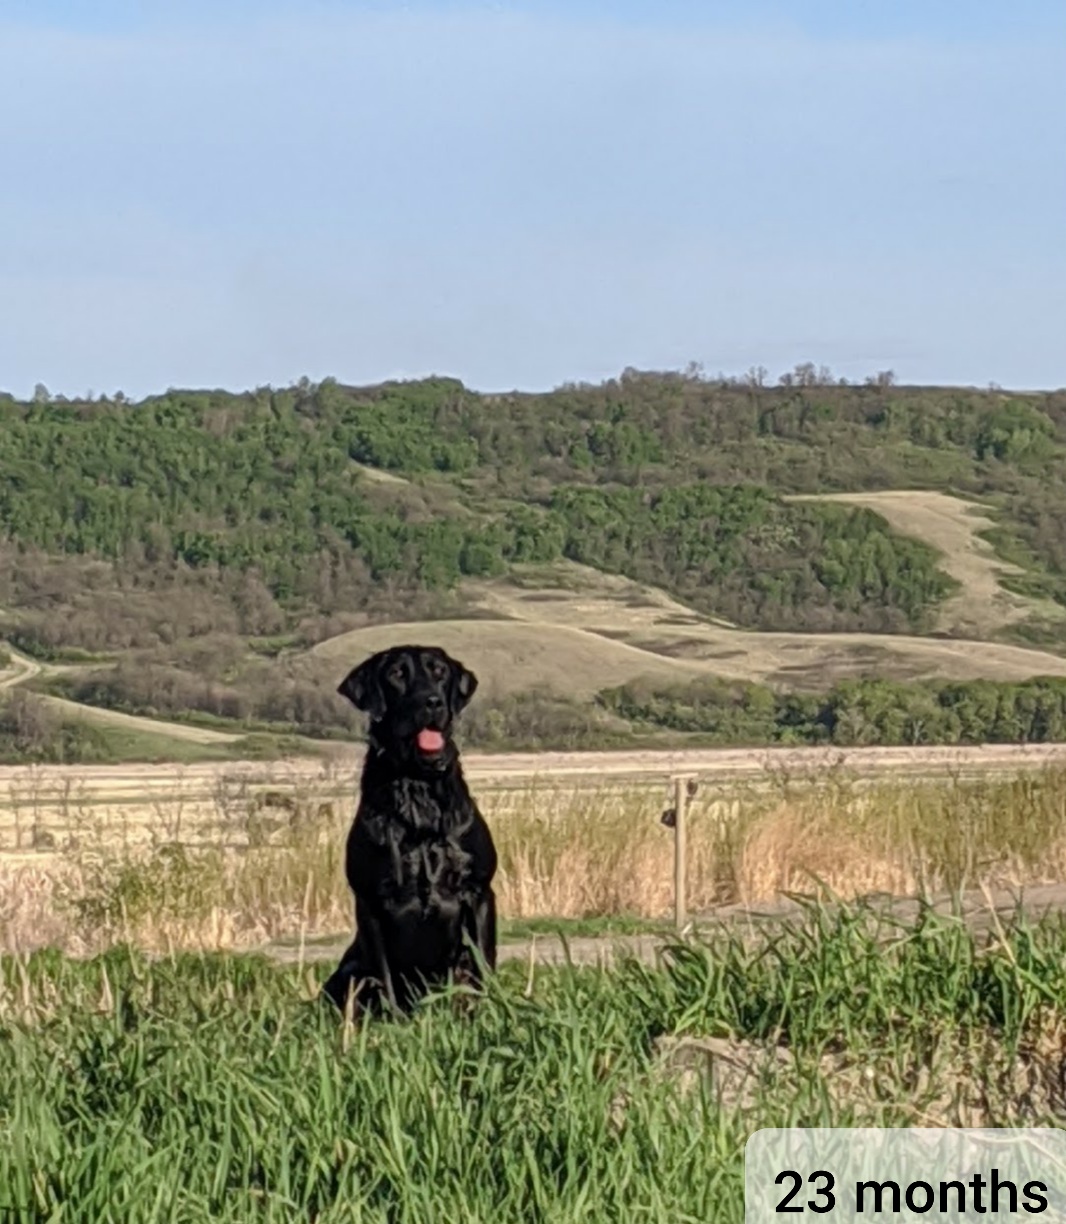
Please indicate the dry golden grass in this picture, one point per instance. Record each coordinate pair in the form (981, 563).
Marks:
(575, 631)
(186, 732)
(379, 475)
(565, 852)
(789, 847)
(510, 656)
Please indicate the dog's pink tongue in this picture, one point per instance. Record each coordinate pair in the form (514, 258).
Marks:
(430, 740)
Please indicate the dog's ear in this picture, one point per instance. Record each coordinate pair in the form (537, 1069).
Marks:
(362, 687)
(463, 686)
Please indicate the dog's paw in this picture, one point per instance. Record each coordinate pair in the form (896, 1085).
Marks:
(466, 989)
(345, 992)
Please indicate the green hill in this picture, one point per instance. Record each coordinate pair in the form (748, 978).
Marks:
(205, 541)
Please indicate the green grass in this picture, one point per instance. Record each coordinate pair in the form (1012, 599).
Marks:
(116, 743)
(518, 930)
(515, 930)
(194, 1088)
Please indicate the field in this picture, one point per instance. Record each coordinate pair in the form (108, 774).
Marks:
(225, 856)
(196, 1087)
(165, 1056)
(575, 631)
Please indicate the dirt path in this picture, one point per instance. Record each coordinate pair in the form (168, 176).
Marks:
(22, 669)
(133, 722)
(982, 913)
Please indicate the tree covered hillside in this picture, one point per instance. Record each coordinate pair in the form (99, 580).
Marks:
(126, 524)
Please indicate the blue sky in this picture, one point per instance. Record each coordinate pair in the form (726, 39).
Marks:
(237, 193)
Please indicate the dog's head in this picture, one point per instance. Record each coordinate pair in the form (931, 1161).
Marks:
(413, 695)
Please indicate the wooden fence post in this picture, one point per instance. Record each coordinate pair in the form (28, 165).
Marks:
(680, 861)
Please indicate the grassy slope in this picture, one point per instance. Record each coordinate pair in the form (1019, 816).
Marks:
(577, 631)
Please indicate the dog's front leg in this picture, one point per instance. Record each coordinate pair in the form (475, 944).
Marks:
(480, 936)
(486, 928)
(369, 928)
(346, 977)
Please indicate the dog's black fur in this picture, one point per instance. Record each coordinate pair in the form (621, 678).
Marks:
(420, 858)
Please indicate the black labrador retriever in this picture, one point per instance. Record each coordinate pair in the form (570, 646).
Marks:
(420, 858)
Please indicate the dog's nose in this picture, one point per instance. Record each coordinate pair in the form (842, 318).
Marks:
(434, 702)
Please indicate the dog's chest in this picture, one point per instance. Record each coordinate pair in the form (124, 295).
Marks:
(427, 859)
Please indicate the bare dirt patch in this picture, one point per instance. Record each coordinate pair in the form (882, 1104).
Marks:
(378, 475)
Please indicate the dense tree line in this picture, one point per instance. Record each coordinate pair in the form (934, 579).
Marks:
(853, 712)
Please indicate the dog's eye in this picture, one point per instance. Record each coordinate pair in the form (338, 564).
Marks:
(396, 675)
